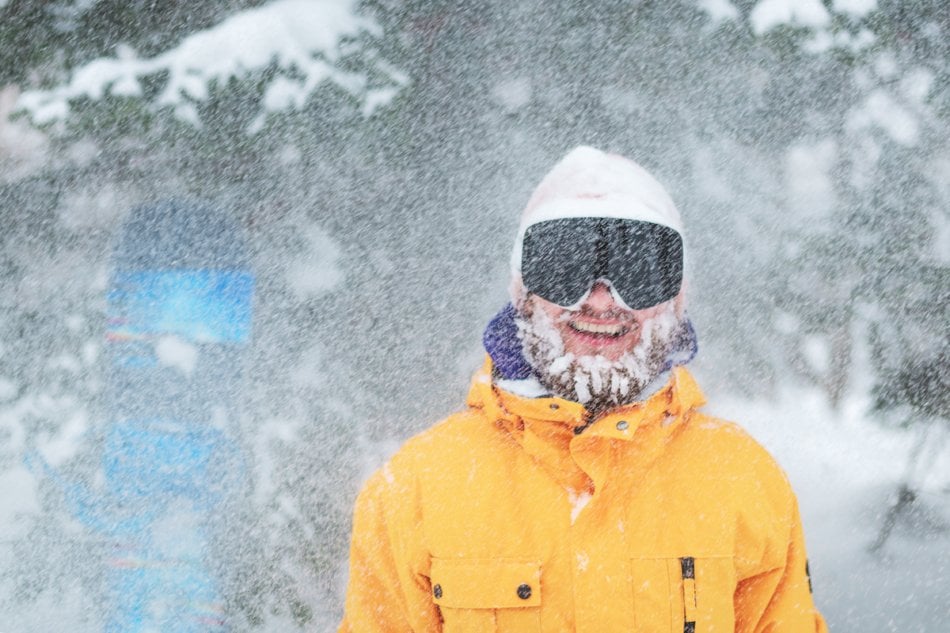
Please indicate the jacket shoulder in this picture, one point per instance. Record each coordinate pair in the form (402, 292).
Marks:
(465, 429)
(466, 432)
(731, 450)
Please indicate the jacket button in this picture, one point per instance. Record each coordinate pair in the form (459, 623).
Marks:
(437, 591)
(554, 406)
(623, 425)
(524, 591)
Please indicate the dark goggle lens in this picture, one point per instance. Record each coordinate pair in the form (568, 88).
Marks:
(562, 258)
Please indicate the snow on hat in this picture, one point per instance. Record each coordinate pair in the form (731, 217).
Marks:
(591, 183)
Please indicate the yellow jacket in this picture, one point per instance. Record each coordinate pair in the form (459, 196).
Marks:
(479, 524)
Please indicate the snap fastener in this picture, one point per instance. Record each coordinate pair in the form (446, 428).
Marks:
(554, 406)
(524, 591)
(437, 591)
(623, 425)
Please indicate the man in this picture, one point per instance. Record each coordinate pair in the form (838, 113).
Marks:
(582, 489)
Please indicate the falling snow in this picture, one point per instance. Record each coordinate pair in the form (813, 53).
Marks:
(378, 165)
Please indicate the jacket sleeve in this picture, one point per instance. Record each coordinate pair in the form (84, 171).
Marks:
(388, 588)
(779, 600)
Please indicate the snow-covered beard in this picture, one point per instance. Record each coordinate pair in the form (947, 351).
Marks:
(595, 381)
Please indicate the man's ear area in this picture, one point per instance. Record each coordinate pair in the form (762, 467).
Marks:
(518, 293)
(679, 301)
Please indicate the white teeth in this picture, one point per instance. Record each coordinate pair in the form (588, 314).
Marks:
(595, 328)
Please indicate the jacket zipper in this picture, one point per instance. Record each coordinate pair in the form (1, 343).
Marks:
(688, 568)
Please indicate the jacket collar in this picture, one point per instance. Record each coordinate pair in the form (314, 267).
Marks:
(678, 395)
(550, 428)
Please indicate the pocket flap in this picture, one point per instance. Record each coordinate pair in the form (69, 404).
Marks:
(485, 584)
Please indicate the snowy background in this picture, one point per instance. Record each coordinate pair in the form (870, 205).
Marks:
(378, 154)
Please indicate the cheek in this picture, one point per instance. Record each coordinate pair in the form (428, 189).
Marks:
(553, 311)
(642, 316)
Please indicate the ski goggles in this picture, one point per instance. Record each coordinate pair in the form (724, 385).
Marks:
(642, 261)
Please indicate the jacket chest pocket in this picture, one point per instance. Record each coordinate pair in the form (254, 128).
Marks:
(684, 595)
(487, 595)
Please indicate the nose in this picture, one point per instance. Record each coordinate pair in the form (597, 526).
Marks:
(600, 298)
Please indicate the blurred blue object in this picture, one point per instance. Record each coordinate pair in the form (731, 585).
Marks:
(156, 462)
(179, 311)
(202, 306)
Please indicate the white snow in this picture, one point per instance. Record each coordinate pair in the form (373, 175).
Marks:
(310, 370)
(786, 322)
(583, 561)
(856, 8)
(92, 206)
(315, 270)
(812, 14)
(882, 111)
(173, 351)
(845, 469)
(529, 388)
(270, 433)
(769, 14)
(941, 240)
(301, 36)
(623, 100)
(90, 353)
(823, 40)
(916, 85)
(513, 94)
(719, 10)
(8, 389)
(19, 494)
(12, 431)
(63, 446)
(378, 98)
(885, 65)
(578, 501)
(710, 182)
(941, 220)
(808, 178)
(817, 352)
(22, 147)
(220, 418)
(66, 362)
(174, 533)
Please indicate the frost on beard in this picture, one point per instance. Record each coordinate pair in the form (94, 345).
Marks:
(596, 381)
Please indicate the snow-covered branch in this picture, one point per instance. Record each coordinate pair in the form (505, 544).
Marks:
(302, 37)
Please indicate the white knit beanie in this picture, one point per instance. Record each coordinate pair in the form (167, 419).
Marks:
(591, 183)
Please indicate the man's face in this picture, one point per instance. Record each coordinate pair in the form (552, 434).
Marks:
(600, 326)
(599, 354)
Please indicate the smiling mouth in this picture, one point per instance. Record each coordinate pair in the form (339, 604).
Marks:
(599, 329)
